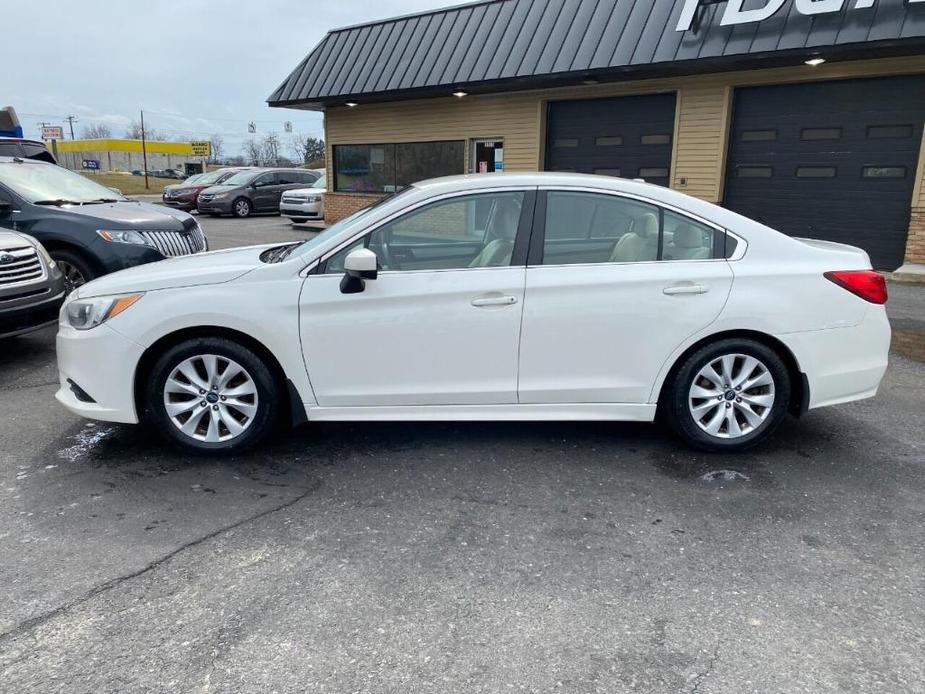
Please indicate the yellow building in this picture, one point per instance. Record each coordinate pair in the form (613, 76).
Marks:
(126, 155)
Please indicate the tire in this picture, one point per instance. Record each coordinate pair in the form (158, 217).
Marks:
(241, 208)
(298, 220)
(710, 416)
(77, 271)
(220, 426)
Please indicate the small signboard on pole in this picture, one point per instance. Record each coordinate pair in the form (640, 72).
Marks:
(52, 132)
(91, 164)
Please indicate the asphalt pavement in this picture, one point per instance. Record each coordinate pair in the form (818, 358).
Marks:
(502, 557)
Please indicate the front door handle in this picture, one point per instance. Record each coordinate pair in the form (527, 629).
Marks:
(485, 301)
(685, 288)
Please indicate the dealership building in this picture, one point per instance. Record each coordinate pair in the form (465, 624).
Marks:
(109, 154)
(804, 114)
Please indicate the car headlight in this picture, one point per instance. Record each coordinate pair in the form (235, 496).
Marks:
(84, 314)
(47, 258)
(219, 196)
(124, 236)
(314, 198)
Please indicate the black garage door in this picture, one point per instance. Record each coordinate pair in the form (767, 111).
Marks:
(831, 160)
(629, 136)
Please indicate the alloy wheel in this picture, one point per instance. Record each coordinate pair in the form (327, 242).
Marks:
(242, 208)
(73, 278)
(210, 398)
(731, 396)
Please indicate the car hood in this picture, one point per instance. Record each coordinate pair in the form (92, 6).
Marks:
(131, 215)
(215, 267)
(219, 189)
(10, 239)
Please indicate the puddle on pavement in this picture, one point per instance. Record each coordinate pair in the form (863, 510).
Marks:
(909, 344)
(85, 441)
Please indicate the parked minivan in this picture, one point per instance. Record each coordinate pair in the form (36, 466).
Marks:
(88, 229)
(257, 190)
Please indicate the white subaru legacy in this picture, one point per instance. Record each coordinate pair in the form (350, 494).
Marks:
(536, 296)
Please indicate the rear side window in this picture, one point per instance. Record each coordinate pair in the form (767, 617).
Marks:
(590, 228)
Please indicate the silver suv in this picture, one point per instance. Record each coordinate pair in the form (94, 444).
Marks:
(31, 285)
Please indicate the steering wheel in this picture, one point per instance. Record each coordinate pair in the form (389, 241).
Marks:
(388, 261)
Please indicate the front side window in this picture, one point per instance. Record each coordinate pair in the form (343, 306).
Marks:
(472, 231)
(387, 168)
(265, 180)
(583, 228)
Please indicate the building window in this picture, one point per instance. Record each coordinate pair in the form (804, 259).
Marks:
(387, 168)
(820, 134)
(565, 142)
(759, 136)
(754, 172)
(608, 172)
(884, 172)
(889, 132)
(816, 172)
(658, 139)
(654, 172)
(608, 141)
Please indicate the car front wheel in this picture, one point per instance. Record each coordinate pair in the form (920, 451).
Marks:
(729, 395)
(241, 208)
(212, 395)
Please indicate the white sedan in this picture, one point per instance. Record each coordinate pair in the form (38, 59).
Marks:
(538, 296)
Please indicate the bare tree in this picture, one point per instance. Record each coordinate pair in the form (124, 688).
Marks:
(99, 131)
(217, 143)
(253, 152)
(133, 132)
(307, 149)
(270, 146)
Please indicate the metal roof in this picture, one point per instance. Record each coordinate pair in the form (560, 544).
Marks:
(526, 43)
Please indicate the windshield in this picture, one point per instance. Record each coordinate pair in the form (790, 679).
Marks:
(212, 177)
(241, 178)
(321, 182)
(52, 184)
(194, 179)
(338, 227)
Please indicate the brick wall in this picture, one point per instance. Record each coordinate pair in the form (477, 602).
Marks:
(340, 205)
(915, 243)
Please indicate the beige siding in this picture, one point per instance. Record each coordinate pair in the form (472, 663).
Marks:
(700, 141)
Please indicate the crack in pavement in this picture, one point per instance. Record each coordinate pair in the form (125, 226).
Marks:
(698, 680)
(38, 620)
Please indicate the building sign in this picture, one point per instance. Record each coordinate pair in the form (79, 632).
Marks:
(734, 14)
(201, 148)
(91, 164)
(52, 132)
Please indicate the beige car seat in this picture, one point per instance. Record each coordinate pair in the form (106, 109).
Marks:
(639, 244)
(503, 231)
(687, 244)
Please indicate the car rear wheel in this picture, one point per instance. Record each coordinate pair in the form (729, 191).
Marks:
(241, 207)
(729, 395)
(212, 395)
(75, 269)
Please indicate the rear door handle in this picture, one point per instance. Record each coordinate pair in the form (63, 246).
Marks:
(485, 301)
(685, 288)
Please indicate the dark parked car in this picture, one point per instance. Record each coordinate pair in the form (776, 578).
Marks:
(258, 190)
(183, 195)
(26, 149)
(88, 229)
(31, 285)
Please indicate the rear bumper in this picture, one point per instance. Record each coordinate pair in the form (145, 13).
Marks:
(100, 362)
(843, 364)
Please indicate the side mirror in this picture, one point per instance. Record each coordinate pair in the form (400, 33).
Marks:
(359, 265)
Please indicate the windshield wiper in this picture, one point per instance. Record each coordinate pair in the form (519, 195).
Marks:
(57, 202)
(98, 200)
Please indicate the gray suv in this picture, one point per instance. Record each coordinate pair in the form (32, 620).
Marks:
(257, 190)
(31, 285)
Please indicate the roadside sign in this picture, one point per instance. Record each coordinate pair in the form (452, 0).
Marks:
(52, 132)
(201, 148)
(91, 164)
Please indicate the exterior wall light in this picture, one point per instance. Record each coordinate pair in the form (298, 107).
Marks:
(814, 62)
(351, 104)
(460, 94)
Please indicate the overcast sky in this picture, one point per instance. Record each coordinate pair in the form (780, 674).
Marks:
(196, 67)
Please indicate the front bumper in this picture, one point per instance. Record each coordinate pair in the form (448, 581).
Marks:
(185, 203)
(25, 319)
(215, 206)
(307, 210)
(101, 362)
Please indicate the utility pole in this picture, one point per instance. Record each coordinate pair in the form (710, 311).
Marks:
(144, 149)
(70, 120)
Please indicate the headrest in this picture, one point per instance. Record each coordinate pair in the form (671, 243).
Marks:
(686, 236)
(647, 226)
(505, 221)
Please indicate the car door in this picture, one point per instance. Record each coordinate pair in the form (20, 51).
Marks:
(613, 286)
(265, 192)
(441, 323)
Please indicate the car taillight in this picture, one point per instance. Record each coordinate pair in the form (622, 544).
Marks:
(867, 284)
